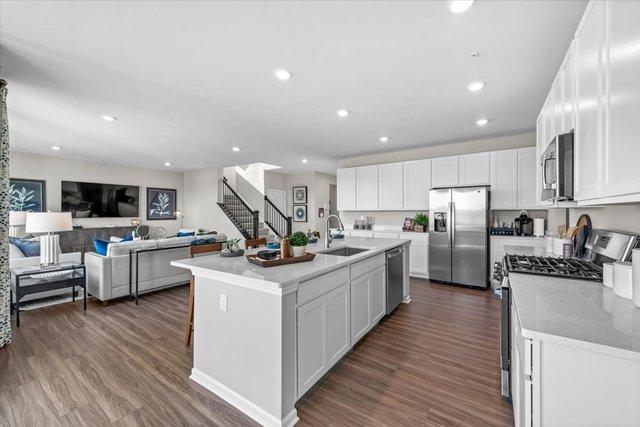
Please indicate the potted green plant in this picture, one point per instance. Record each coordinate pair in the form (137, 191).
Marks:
(422, 222)
(298, 241)
(232, 249)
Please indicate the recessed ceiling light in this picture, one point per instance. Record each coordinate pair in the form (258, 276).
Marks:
(475, 86)
(305, 160)
(342, 113)
(167, 164)
(459, 6)
(236, 149)
(56, 148)
(384, 139)
(282, 74)
(108, 118)
(482, 122)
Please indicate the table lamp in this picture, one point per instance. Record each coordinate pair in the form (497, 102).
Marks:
(48, 222)
(16, 220)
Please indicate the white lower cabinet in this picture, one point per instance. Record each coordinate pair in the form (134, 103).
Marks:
(418, 254)
(368, 302)
(338, 314)
(312, 343)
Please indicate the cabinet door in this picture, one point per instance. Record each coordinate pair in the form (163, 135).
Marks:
(418, 258)
(390, 178)
(474, 169)
(588, 140)
(444, 171)
(549, 132)
(527, 178)
(338, 330)
(360, 308)
(346, 187)
(367, 188)
(568, 91)
(417, 183)
(622, 101)
(377, 295)
(504, 179)
(312, 343)
(557, 104)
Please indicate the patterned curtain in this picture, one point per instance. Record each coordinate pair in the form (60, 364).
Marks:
(5, 320)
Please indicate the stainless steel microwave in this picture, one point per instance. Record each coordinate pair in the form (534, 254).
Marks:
(557, 169)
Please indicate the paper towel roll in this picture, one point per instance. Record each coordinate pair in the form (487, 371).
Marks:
(538, 227)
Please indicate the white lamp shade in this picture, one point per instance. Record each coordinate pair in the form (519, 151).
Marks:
(17, 218)
(48, 222)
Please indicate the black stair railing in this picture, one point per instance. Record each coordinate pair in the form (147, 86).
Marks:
(243, 214)
(275, 219)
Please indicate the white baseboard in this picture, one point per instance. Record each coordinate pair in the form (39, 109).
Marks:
(242, 403)
(407, 299)
(419, 275)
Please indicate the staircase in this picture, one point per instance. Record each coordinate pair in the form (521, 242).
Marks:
(276, 220)
(246, 220)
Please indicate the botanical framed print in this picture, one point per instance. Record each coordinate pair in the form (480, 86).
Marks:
(300, 195)
(161, 203)
(300, 213)
(27, 195)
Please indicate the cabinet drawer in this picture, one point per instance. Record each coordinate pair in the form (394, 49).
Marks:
(315, 287)
(363, 267)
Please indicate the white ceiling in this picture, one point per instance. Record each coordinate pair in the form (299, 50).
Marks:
(189, 80)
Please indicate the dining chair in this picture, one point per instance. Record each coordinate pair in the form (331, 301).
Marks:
(255, 243)
(193, 251)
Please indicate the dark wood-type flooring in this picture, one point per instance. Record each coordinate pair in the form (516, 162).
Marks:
(434, 362)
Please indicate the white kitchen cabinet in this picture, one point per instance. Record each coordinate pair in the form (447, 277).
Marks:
(568, 75)
(527, 165)
(474, 169)
(418, 254)
(312, 343)
(346, 189)
(504, 179)
(549, 132)
(417, 183)
(622, 99)
(377, 295)
(589, 123)
(390, 185)
(338, 328)
(556, 104)
(367, 188)
(444, 171)
(360, 308)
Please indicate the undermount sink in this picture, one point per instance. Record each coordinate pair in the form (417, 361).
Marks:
(343, 251)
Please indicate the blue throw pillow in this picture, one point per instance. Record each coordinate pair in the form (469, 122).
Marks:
(185, 233)
(101, 246)
(127, 238)
(27, 246)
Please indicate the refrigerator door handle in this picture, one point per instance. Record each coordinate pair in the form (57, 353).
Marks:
(449, 226)
(452, 226)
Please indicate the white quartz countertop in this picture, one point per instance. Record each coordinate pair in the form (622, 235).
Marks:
(243, 272)
(576, 313)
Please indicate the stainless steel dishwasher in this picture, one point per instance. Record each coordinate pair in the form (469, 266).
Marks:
(395, 278)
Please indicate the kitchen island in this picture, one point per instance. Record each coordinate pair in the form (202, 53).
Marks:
(264, 336)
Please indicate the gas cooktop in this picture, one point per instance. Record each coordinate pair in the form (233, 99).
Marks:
(558, 267)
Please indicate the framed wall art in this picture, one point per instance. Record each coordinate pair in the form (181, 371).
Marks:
(300, 195)
(28, 195)
(161, 204)
(300, 213)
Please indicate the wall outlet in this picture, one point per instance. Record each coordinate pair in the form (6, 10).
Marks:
(223, 302)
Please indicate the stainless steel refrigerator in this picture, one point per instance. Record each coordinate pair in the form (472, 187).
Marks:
(458, 235)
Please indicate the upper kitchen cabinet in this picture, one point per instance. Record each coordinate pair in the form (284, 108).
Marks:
(527, 189)
(622, 99)
(568, 78)
(504, 179)
(589, 120)
(417, 183)
(474, 169)
(346, 185)
(367, 188)
(444, 171)
(390, 185)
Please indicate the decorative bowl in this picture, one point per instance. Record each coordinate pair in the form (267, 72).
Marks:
(273, 245)
(229, 254)
(268, 255)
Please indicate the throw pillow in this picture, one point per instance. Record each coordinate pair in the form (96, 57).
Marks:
(115, 239)
(127, 238)
(28, 247)
(185, 233)
(101, 246)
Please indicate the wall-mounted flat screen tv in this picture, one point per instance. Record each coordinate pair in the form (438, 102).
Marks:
(93, 200)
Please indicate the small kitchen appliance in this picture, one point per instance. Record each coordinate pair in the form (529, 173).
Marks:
(557, 169)
(523, 225)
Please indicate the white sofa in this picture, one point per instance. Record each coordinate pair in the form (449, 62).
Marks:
(108, 275)
(17, 259)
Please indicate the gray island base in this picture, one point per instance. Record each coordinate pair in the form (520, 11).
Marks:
(264, 336)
